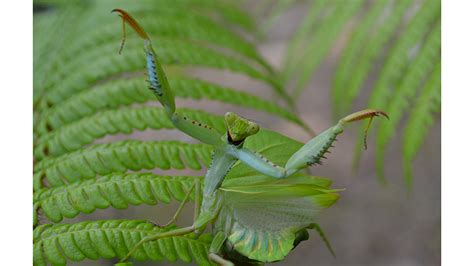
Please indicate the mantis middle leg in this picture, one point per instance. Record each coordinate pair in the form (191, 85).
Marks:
(202, 220)
(197, 195)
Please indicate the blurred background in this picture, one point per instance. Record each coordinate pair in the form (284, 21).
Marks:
(374, 223)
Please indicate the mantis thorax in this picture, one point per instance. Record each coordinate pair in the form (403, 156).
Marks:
(239, 128)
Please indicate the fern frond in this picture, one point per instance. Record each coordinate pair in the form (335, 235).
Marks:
(104, 62)
(367, 58)
(418, 71)
(366, 45)
(297, 42)
(399, 56)
(356, 43)
(56, 244)
(399, 59)
(50, 34)
(126, 92)
(319, 44)
(191, 27)
(236, 15)
(102, 159)
(116, 190)
(276, 11)
(426, 107)
(75, 135)
(227, 12)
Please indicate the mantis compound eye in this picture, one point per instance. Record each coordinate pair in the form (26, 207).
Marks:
(230, 118)
(253, 128)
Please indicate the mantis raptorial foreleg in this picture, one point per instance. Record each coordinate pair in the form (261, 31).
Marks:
(312, 152)
(160, 87)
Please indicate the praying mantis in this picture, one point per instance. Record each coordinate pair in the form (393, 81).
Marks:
(262, 222)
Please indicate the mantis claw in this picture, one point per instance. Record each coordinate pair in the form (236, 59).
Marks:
(367, 113)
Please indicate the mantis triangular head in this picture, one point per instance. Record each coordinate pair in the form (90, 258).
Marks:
(239, 128)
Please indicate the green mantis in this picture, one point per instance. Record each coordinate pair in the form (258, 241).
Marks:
(262, 221)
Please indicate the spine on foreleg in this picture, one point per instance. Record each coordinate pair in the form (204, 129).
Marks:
(155, 85)
(314, 151)
(158, 81)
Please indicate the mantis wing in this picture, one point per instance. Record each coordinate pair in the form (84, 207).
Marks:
(261, 221)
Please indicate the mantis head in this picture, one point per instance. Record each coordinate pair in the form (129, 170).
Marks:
(239, 128)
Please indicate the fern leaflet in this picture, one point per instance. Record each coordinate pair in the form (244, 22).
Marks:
(426, 106)
(129, 91)
(417, 72)
(116, 190)
(113, 239)
(120, 156)
(399, 59)
(75, 135)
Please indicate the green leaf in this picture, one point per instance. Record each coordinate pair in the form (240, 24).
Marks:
(351, 53)
(418, 71)
(363, 51)
(56, 244)
(75, 135)
(399, 59)
(116, 190)
(104, 61)
(276, 12)
(426, 107)
(102, 159)
(320, 42)
(193, 27)
(305, 29)
(125, 92)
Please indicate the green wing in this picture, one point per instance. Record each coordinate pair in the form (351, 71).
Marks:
(261, 221)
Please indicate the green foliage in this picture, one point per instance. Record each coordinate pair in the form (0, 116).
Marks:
(414, 76)
(391, 49)
(127, 92)
(120, 156)
(79, 133)
(428, 104)
(116, 190)
(318, 43)
(113, 239)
